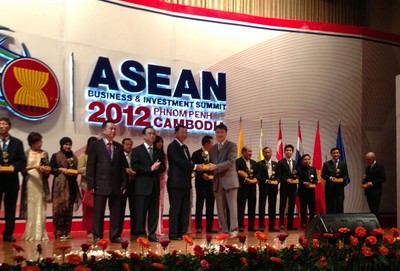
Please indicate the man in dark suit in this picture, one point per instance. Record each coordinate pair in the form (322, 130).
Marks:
(268, 187)
(247, 172)
(179, 183)
(148, 163)
(226, 182)
(107, 179)
(288, 189)
(374, 177)
(334, 172)
(204, 183)
(129, 195)
(13, 157)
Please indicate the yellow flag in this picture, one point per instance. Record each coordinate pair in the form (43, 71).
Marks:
(240, 143)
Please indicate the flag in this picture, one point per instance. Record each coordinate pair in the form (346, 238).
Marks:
(260, 153)
(317, 164)
(240, 143)
(299, 153)
(279, 145)
(299, 147)
(340, 146)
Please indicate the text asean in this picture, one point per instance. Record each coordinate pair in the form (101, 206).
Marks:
(156, 79)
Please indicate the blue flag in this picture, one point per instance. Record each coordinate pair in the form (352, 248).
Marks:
(340, 146)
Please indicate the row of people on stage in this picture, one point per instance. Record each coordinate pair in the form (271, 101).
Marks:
(117, 173)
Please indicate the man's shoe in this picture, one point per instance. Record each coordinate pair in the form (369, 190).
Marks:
(211, 231)
(198, 230)
(241, 229)
(253, 229)
(303, 225)
(153, 238)
(175, 238)
(8, 238)
(273, 230)
(116, 240)
(262, 228)
(292, 228)
(282, 227)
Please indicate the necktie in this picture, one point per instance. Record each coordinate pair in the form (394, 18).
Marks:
(3, 142)
(336, 164)
(186, 151)
(220, 146)
(151, 152)
(290, 165)
(109, 147)
(269, 169)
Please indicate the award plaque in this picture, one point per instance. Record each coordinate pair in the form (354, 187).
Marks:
(337, 180)
(311, 185)
(294, 178)
(70, 168)
(5, 166)
(272, 179)
(206, 163)
(364, 185)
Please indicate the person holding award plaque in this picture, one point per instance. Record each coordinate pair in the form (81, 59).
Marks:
(308, 181)
(64, 166)
(247, 173)
(288, 191)
(372, 183)
(268, 187)
(204, 184)
(35, 190)
(334, 172)
(12, 161)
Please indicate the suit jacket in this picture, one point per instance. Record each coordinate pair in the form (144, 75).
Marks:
(180, 167)
(225, 159)
(241, 165)
(197, 158)
(263, 173)
(145, 179)
(306, 174)
(16, 158)
(104, 175)
(376, 175)
(285, 173)
(329, 170)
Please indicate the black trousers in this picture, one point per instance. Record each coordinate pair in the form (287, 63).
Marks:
(204, 195)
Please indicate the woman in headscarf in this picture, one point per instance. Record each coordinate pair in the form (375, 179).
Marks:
(35, 190)
(65, 188)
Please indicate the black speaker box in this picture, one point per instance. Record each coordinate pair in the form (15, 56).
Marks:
(332, 223)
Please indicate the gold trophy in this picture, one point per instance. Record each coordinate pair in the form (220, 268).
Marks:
(5, 166)
(311, 185)
(206, 163)
(335, 179)
(44, 162)
(272, 178)
(364, 182)
(294, 177)
(70, 168)
(248, 176)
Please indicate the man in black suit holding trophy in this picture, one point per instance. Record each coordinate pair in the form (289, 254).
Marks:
(12, 161)
(204, 184)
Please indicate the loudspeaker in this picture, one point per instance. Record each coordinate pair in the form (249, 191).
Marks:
(333, 222)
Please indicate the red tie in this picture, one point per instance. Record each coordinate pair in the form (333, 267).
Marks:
(109, 147)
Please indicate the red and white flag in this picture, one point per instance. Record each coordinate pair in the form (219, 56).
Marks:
(279, 145)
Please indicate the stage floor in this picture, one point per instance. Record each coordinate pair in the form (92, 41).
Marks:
(80, 237)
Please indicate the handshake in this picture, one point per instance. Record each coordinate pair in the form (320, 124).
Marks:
(205, 167)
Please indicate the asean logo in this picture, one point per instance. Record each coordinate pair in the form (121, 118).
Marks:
(30, 88)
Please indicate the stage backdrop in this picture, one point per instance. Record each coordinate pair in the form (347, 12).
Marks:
(159, 64)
